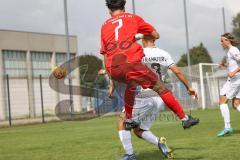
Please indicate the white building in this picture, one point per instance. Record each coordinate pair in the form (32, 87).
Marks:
(24, 56)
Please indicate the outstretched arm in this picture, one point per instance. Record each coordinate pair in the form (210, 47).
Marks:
(111, 88)
(146, 29)
(177, 71)
(223, 64)
(154, 35)
(111, 85)
(233, 73)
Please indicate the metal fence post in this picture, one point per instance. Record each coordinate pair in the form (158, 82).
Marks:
(41, 93)
(9, 103)
(97, 95)
(98, 111)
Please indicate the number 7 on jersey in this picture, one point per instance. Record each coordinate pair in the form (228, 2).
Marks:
(120, 24)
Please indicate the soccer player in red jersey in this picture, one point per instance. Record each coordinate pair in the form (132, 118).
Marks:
(123, 55)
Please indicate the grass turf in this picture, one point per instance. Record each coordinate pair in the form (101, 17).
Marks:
(97, 139)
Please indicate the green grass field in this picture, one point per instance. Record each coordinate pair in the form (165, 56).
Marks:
(97, 139)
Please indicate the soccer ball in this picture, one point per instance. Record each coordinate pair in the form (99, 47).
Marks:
(59, 72)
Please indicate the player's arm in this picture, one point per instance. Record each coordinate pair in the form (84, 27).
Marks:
(223, 64)
(233, 73)
(153, 35)
(111, 85)
(178, 72)
(103, 52)
(111, 88)
(105, 59)
(235, 55)
(146, 29)
(102, 46)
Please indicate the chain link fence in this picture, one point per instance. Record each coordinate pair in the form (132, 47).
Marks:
(41, 104)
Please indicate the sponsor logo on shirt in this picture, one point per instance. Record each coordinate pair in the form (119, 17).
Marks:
(153, 59)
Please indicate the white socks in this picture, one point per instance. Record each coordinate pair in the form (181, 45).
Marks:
(150, 137)
(185, 118)
(125, 137)
(238, 108)
(226, 115)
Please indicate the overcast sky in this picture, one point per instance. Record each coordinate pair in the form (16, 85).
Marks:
(86, 17)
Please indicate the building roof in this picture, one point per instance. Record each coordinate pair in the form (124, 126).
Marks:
(8, 30)
(35, 41)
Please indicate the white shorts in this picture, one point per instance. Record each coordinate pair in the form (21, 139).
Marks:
(231, 89)
(224, 88)
(146, 110)
(234, 89)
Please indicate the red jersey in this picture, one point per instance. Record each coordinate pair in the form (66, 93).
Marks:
(118, 37)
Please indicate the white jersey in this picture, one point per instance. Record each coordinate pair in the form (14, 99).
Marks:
(158, 60)
(231, 88)
(147, 102)
(233, 58)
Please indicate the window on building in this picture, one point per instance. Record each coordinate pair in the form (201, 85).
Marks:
(62, 57)
(15, 63)
(41, 63)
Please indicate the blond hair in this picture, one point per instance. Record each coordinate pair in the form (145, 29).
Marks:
(231, 38)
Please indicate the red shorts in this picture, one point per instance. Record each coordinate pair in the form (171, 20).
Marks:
(128, 72)
(133, 72)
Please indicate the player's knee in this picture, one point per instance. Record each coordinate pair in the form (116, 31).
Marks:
(159, 87)
(120, 120)
(137, 132)
(223, 100)
(120, 123)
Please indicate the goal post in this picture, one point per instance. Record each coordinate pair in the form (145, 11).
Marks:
(212, 77)
(202, 85)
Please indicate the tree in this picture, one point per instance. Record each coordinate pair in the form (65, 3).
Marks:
(236, 26)
(198, 54)
(89, 67)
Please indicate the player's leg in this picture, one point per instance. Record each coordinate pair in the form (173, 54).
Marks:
(137, 72)
(142, 75)
(224, 110)
(129, 97)
(147, 79)
(147, 110)
(236, 100)
(116, 73)
(125, 138)
(147, 135)
(172, 103)
(161, 142)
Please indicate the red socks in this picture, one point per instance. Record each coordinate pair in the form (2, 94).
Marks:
(129, 101)
(166, 96)
(172, 103)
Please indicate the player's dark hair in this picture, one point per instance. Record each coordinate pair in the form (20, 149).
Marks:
(114, 5)
(231, 38)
